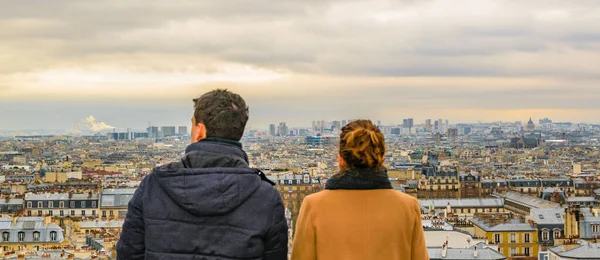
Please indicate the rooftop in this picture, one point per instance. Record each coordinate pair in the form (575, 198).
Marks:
(102, 224)
(463, 203)
(585, 250)
(529, 201)
(551, 216)
(118, 191)
(465, 254)
(500, 223)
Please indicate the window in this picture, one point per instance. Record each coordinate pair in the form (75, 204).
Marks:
(72, 204)
(61, 204)
(83, 212)
(595, 228)
(545, 235)
(513, 251)
(527, 250)
(50, 213)
(5, 236)
(50, 204)
(29, 204)
(83, 204)
(94, 213)
(29, 213)
(526, 238)
(556, 234)
(72, 213)
(513, 238)
(93, 204)
(62, 213)
(36, 236)
(104, 213)
(40, 213)
(53, 235)
(497, 238)
(21, 236)
(5, 249)
(40, 204)
(111, 213)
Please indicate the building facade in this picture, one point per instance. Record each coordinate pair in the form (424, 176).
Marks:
(62, 205)
(29, 233)
(515, 239)
(114, 202)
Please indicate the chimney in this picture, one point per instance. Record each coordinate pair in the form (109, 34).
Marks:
(47, 220)
(444, 251)
(475, 252)
(14, 219)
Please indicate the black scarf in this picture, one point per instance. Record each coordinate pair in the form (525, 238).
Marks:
(360, 179)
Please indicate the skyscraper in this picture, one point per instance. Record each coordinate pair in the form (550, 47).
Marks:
(272, 130)
(283, 129)
(408, 123)
(152, 132)
(336, 125)
(183, 131)
(428, 124)
(168, 131)
(452, 134)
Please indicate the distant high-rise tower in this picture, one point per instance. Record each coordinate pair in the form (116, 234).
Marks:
(428, 125)
(152, 132)
(273, 130)
(452, 134)
(168, 131)
(183, 131)
(408, 123)
(283, 129)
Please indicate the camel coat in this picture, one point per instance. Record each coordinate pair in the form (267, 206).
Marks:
(368, 224)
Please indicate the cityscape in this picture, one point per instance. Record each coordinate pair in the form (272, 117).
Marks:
(488, 108)
(504, 190)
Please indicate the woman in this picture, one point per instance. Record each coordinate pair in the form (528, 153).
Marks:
(359, 215)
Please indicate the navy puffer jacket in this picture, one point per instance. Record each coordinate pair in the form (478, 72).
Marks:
(208, 206)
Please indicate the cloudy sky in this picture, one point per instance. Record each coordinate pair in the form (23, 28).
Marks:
(134, 63)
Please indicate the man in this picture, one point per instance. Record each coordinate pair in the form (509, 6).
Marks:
(210, 205)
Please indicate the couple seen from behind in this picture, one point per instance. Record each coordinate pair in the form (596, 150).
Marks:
(211, 205)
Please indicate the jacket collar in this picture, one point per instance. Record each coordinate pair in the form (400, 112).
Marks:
(360, 179)
(212, 148)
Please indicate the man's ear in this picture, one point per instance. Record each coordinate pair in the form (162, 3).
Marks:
(199, 132)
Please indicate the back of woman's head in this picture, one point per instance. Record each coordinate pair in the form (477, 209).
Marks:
(362, 145)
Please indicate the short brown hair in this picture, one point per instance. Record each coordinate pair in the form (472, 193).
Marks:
(223, 113)
(362, 145)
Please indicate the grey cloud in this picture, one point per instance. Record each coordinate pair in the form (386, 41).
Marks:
(300, 37)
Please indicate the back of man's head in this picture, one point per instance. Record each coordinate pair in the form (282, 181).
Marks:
(223, 113)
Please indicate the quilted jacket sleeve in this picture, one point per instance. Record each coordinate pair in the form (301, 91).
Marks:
(276, 243)
(131, 245)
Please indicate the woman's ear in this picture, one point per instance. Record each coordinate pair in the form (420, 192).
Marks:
(341, 161)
